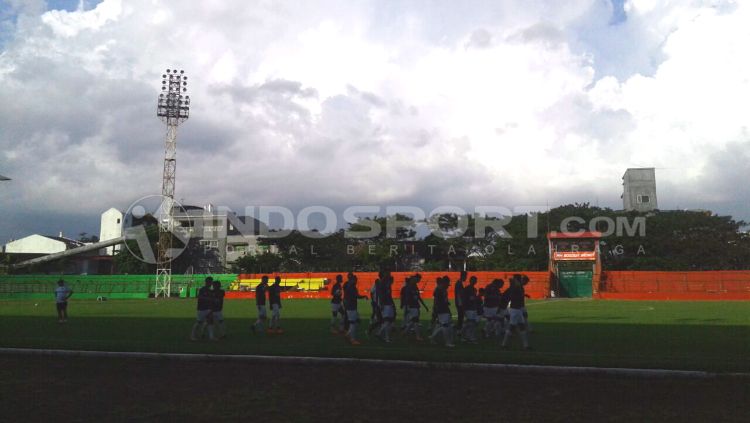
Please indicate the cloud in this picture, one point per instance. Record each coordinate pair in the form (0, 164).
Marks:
(372, 103)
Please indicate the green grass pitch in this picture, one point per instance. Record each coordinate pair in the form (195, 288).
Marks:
(709, 336)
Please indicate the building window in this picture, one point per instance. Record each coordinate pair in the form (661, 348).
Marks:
(241, 248)
(118, 220)
(209, 243)
(642, 199)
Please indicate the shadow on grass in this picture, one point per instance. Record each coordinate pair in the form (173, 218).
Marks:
(590, 318)
(115, 389)
(693, 347)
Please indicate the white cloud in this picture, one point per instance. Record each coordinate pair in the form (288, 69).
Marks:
(364, 102)
(66, 24)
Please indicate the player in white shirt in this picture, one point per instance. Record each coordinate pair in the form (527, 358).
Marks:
(62, 293)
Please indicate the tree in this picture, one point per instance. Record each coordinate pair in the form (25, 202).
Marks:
(83, 237)
(262, 263)
(673, 240)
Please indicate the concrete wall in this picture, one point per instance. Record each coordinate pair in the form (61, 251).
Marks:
(639, 184)
(664, 285)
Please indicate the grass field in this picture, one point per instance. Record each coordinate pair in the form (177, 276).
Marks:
(711, 336)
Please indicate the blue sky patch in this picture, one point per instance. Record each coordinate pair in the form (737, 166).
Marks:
(618, 12)
(71, 5)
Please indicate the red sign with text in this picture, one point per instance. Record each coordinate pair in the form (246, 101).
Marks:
(574, 255)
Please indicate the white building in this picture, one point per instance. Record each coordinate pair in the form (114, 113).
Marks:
(110, 228)
(41, 245)
(639, 190)
(223, 236)
(35, 246)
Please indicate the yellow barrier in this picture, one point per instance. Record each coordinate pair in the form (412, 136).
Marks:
(292, 284)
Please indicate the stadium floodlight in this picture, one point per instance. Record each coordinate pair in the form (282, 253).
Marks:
(173, 108)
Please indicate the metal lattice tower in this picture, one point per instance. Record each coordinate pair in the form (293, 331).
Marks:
(173, 108)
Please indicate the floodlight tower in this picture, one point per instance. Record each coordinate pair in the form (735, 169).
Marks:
(172, 108)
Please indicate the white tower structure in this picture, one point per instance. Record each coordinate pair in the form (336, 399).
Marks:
(110, 227)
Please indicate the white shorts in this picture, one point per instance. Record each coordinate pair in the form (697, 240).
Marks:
(275, 310)
(262, 312)
(516, 316)
(201, 315)
(490, 313)
(352, 316)
(388, 312)
(444, 319)
(335, 308)
(412, 314)
(218, 316)
(471, 315)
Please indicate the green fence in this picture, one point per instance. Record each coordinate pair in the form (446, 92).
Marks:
(576, 283)
(94, 286)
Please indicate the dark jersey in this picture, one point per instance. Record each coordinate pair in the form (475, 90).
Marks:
(351, 295)
(336, 293)
(218, 300)
(274, 294)
(260, 294)
(458, 293)
(402, 296)
(492, 296)
(505, 299)
(204, 298)
(385, 294)
(469, 298)
(442, 305)
(516, 296)
(374, 293)
(412, 296)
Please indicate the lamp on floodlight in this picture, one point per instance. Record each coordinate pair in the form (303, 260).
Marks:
(173, 107)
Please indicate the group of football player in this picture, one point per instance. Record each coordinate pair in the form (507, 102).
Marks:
(210, 305)
(274, 300)
(209, 313)
(489, 311)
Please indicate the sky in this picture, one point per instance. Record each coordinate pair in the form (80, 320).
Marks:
(339, 103)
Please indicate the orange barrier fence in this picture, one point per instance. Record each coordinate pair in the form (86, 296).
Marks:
(538, 286)
(630, 285)
(701, 285)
